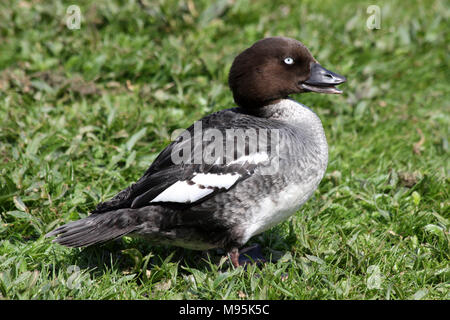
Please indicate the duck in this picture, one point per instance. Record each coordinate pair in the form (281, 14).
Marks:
(234, 173)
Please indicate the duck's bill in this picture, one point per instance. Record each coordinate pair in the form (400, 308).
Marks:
(321, 89)
(322, 80)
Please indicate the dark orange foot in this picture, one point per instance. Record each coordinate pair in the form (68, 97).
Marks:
(247, 256)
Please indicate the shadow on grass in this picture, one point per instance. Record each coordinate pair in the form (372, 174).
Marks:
(138, 256)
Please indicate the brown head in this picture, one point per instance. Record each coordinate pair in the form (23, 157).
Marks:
(275, 67)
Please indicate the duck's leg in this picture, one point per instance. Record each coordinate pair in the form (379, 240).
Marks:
(246, 256)
(234, 256)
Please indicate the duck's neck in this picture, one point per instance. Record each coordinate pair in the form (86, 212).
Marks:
(298, 116)
(289, 111)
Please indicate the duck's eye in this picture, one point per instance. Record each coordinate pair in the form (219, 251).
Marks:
(289, 60)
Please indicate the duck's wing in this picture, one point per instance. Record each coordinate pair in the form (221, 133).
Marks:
(211, 156)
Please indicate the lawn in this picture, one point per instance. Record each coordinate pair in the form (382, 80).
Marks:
(84, 112)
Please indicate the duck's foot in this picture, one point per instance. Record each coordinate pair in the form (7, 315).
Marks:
(249, 255)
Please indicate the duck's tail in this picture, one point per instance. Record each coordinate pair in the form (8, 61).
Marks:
(100, 227)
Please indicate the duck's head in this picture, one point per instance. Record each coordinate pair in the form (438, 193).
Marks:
(275, 67)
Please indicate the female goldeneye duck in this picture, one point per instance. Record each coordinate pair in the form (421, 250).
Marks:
(270, 154)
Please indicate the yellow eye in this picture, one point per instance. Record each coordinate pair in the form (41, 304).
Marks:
(289, 60)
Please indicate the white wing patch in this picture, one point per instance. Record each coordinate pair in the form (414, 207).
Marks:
(201, 185)
(182, 192)
(254, 158)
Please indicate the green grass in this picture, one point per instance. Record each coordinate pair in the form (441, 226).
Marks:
(84, 112)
